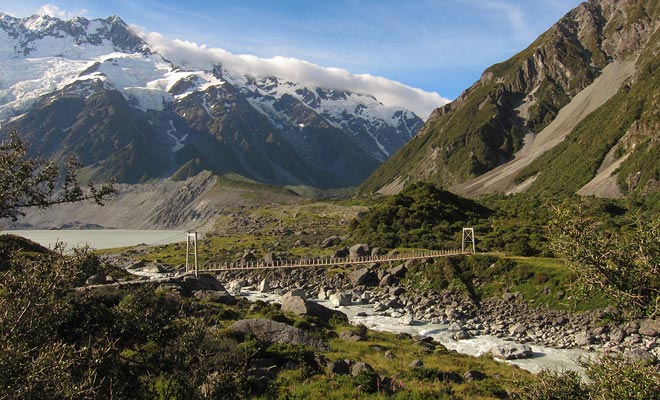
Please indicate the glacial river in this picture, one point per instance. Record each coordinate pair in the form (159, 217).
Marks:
(543, 358)
(100, 238)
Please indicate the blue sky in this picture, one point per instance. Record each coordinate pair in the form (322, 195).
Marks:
(436, 45)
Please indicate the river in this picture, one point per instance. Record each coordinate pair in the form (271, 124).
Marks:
(543, 358)
(100, 238)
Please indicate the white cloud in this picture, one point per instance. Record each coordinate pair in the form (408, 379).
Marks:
(390, 93)
(54, 11)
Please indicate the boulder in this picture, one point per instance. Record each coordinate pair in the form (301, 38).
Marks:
(235, 286)
(351, 336)
(248, 256)
(330, 241)
(517, 329)
(416, 363)
(358, 250)
(299, 306)
(359, 367)
(508, 296)
(97, 279)
(274, 332)
(640, 356)
(399, 271)
(474, 375)
(387, 280)
(340, 299)
(216, 296)
(584, 339)
(511, 351)
(617, 335)
(363, 276)
(376, 251)
(341, 253)
(264, 286)
(192, 283)
(270, 258)
(649, 327)
(339, 367)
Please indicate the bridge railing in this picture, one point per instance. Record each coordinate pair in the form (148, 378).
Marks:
(329, 261)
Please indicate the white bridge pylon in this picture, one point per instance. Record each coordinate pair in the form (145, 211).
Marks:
(468, 236)
(191, 245)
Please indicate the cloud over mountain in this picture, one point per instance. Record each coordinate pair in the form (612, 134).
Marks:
(390, 93)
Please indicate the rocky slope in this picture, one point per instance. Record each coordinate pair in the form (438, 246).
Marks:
(95, 88)
(546, 119)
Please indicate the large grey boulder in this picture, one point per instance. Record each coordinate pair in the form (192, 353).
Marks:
(330, 241)
(299, 306)
(363, 276)
(192, 283)
(340, 299)
(358, 250)
(274, 332)
(399, 271)
(584, 339)
(511, 351)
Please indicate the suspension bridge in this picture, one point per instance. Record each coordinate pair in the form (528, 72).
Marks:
(192, 266)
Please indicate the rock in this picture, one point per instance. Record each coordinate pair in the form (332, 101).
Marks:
(351, 336)
(363, 276)
(330, 241)
(264, 286)
(508, 296)
(399, 271)
(649, 327)
(474, 375)
(461, 335)
(397, 291)
(299, 306)
(339, 367)
(298, 292)
(617, 335)
(387, 280)
(192, 283)
(340, 299)
(511, 351)
(216, 296)
(632, 327)
(455, 327)
(322, 295)
(517, 329)
(416, 363)
(97, 279)
(376, 251)
(389, 355)
(270, 258)
(274, 332)
(584, 339)
(248, 256)
(341, 253)
(640, 355)
(452, 312)
(359, 367)
(235, 286)
(358, 250)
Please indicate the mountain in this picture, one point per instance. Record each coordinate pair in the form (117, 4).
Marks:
(97, 89)
(575, 112)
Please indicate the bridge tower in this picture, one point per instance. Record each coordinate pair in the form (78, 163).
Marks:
(468, 236)
(191, 246)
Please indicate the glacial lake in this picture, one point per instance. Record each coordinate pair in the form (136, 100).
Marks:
(101, 238)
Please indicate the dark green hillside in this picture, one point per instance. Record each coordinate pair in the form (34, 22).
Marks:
(420, 216)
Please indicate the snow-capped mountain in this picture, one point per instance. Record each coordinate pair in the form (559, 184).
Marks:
(97, 89)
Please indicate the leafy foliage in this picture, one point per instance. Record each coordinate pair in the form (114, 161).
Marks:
(622, 264)
(420, 216)
(32, 182)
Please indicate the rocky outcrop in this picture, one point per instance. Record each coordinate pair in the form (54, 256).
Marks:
(274, 332)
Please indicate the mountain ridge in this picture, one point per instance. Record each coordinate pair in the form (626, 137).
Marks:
(267, 129)
(493, 120)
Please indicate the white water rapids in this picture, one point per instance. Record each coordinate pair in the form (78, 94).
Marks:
(543, 358)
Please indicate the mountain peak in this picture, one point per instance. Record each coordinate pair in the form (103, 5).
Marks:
(45, 35)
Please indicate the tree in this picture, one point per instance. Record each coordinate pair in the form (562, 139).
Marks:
(624, 264)
(33, 182)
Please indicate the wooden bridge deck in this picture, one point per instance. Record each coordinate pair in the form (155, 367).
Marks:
(327, 262)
